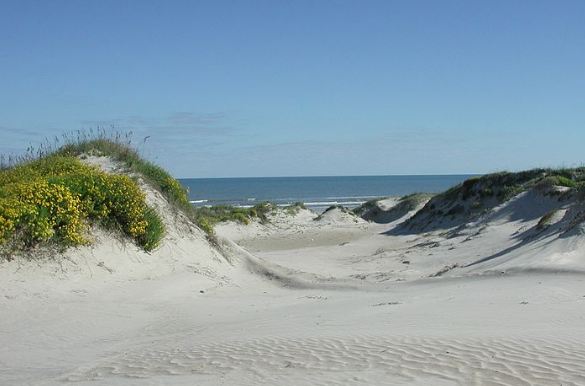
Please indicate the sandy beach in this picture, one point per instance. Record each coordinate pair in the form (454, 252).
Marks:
(307, 300)
(292, 193)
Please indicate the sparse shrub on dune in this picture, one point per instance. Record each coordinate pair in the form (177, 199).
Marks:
(370, 204)
(208, 217)
(372, 211)
(546, 219)
(295, 208)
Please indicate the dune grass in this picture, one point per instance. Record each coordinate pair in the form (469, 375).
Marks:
(412, 201)
(210, 216)
(370, 211)
(406, 203)
(476, 195)
(366, 206)
(342, 208)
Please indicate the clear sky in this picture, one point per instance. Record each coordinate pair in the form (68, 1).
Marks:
(280, 88)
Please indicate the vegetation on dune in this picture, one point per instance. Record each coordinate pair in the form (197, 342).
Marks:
(477, 194)
(371, 211)
(118, 147)
(210, 216)
(295, 208)
(55, 198)
(92, 195)
(366, 206)
(546, 219)
(342, 208)
(124, 153)
(412, 201)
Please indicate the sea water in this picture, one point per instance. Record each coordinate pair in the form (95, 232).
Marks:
(317, 193)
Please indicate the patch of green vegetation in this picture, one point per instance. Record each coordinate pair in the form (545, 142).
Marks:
(55, 198)
(370, 210)
(545, 220)
(505, 185)
(366, 206)
(156, 176)
(154, 232)
(332, 207)
(412, 201)
(481, 193)
(295, 208)
(210, 216)
(558, 181)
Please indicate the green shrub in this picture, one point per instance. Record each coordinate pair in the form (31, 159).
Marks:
(366, 206)
(154, 232)
(207, 217)
(565, 181)
(546, 219)
(156, 176)
(55, 198)
(206, 225)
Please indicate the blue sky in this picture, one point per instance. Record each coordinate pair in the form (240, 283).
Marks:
(280, 88)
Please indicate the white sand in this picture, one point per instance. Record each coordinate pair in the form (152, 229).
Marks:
(330, 302)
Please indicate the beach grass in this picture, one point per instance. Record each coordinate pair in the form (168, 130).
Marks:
(212, 215)
(476, 195)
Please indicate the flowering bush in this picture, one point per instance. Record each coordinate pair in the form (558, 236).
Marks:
(55, 198)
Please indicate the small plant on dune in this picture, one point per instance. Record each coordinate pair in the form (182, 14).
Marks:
(545, 220)
(154, 231)
(295, 208)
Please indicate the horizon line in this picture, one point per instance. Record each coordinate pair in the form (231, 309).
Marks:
(341, 175)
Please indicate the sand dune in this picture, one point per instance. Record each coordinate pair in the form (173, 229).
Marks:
(497, 299)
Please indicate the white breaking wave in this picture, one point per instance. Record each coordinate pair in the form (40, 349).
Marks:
(325, 203)
(198, 201)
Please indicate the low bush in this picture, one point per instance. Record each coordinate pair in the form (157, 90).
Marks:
(545, 220)
(156, 176)
(56, 198)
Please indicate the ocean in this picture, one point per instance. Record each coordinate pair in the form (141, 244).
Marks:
(317, 193)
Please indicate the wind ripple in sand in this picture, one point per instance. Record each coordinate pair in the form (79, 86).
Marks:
(358, 360)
